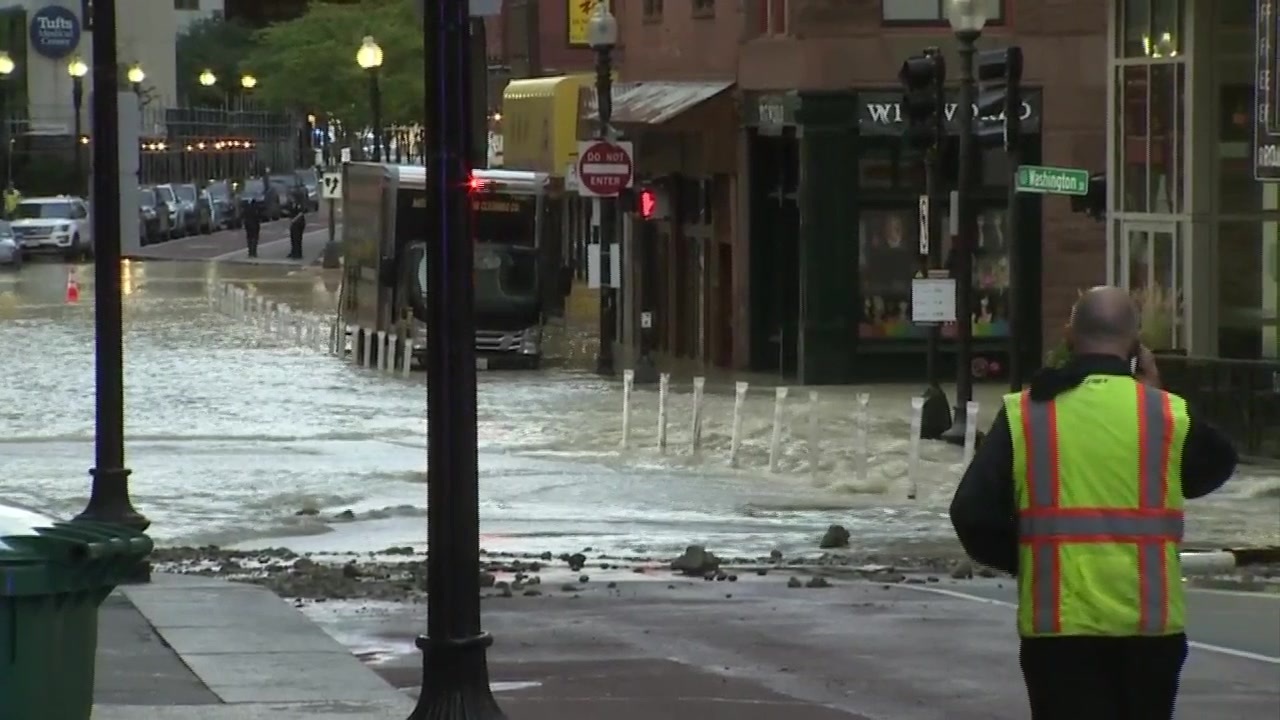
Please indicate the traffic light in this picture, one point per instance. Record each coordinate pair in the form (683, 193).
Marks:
(652, 203)
(1094, 203)
(999, 74)
(923, 102)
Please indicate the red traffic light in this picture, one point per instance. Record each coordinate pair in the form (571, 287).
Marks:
(647, 203)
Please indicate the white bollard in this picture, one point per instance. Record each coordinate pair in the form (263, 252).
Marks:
(813, 432)
(392, 344)
(664, 389)
(695, 423)
(366, 342)
(913, 447)
(739, 404)
(628, 385)
(1207, 563)
(775, 440)
(862, 440)
(970, 430)
(298, 327)
(380, 351)
(406, 365)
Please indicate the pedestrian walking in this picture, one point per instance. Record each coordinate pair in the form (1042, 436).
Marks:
(11, 200)
(1078, 491)
(296, 227)
(252, 226)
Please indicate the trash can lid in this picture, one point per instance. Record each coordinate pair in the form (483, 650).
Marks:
(16, 521)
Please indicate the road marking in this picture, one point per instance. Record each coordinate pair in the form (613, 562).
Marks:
(1244, 654)
(244, 252)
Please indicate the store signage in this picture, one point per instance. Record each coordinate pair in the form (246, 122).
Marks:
(882, 113)
(55, 31)
(1266, 125)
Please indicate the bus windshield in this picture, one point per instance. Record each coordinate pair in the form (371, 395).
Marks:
(505, 219)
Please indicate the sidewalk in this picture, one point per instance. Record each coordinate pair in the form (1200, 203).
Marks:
(186, 648)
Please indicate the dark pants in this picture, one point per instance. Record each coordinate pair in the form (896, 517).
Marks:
(251, 233)
(1100, 678)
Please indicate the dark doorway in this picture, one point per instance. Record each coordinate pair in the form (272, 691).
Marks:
(775, 252)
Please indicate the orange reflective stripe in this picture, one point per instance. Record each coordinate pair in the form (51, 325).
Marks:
(1044, 526)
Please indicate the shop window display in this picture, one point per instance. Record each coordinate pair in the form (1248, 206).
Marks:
(888, 260)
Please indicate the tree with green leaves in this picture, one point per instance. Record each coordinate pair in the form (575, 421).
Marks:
(217, 46)
(309, 64)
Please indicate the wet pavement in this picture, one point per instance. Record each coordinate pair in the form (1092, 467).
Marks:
(234, 430)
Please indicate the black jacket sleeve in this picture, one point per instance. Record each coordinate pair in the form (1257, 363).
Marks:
(1208, 459)
(984, 511)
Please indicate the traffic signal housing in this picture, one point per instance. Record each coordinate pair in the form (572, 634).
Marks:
(923, 99)
(999, 75)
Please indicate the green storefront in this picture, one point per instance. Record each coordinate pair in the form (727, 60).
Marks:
(834, 237)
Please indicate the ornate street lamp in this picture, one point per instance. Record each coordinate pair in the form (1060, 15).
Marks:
(602, 36)
(7, 68)
(135, 77)
(967, 18)
(208, 79)
(77, 69)
(455, 673)
(109, 498)
(248, 82)
(369, 58)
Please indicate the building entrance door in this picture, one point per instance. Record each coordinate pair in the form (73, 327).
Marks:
(1151, 267)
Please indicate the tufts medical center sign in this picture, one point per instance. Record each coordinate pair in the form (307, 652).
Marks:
(55, 32)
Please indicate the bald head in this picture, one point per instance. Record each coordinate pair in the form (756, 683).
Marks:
(1104, 321)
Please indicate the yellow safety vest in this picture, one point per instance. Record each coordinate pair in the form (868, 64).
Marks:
(1098, 476)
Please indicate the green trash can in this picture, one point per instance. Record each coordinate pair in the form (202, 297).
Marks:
(53, 577)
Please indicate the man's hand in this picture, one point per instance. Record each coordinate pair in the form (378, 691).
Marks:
(1148, 373)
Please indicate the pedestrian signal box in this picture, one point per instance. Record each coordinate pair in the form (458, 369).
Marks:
(652, 204)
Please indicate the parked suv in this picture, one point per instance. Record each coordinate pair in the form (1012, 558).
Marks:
(54, 225)
(153, 216)
(177, 214)
(257, 190)
(226, 207)
(293, 194)
(311, 181)
(196, 217)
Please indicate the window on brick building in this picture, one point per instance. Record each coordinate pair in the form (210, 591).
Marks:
(704, 8)
(931, 12)
(773, 17)
(652, 9)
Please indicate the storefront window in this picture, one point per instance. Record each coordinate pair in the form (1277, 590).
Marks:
(1151, 28)
(1151, 99)
(889, 259)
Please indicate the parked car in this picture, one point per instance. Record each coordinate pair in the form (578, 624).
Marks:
(153, 217)
(310, 179)
(177, 213)
(257, 190)
(293, 194)
(54, 225)
(225, 206)
(197, 217)
(10, 248)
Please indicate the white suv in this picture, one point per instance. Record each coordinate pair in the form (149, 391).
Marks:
(56, 225)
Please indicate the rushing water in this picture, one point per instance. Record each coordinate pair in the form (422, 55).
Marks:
(233, 430)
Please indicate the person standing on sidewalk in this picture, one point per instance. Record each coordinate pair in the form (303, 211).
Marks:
(296, 227)
(1078, 491)
(252, 226)
(11, 200)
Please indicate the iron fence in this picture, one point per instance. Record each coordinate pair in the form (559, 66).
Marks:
(1240, 397)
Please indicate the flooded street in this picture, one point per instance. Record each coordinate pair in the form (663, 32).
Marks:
(234, 430)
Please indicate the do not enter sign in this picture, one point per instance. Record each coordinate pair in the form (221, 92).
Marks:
(604, 168)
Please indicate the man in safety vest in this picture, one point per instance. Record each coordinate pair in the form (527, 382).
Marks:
(1078, 491)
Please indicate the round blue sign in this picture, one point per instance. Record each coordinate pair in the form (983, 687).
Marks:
(55, 31)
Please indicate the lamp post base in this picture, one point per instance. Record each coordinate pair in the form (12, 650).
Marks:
(332, 257)
(109, 503)
(455, 680)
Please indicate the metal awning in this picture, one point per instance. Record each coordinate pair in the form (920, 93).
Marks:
(653, 103)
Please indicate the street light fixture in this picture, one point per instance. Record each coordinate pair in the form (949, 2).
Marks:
(967, 18)
(369, 58)
(77, 69)
(7, 67)
(455, 673)
(135, 76)
(248, 82)
(208, 79)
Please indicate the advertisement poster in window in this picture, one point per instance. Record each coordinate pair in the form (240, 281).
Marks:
(888, 261)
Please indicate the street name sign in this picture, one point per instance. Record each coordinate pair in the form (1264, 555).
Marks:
(1052, 180)
(605, 168)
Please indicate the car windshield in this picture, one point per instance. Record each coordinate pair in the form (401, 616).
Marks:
(253, 187)
(308, 178)
(56, 210)
(218, 190)
(146, 199)
(166, 193)
(187, 192)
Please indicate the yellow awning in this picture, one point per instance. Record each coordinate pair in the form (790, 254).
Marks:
(540, 123)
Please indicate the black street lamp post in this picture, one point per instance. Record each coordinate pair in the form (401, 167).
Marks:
(455, 672)
(967, 19)
(7, 67)
(109, 499)
(369, 57)
(77, 69)
(602, 35)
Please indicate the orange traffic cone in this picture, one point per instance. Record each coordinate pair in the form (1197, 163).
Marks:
(73, 288)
